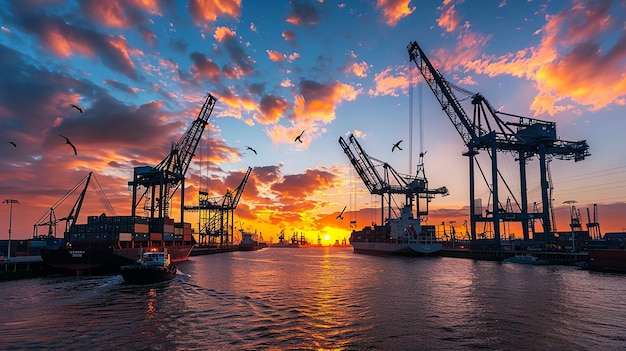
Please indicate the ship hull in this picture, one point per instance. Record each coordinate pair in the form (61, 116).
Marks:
(97, 259)
(386, 248)
(78, 260)
(137, 274)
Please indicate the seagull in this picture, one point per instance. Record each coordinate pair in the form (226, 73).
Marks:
(67, 141)
(298, 137)
(396, 145)
(76, 107)
(340, 216)
(12, 143)
(251, 149)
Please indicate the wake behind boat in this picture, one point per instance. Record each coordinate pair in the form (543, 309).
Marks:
(154, 266)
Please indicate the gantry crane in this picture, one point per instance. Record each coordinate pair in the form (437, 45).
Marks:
(412, 187)
(217, 216)
(162, 181)
(524, 138)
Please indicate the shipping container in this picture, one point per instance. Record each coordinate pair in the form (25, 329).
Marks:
(142, 228)
(126, 236)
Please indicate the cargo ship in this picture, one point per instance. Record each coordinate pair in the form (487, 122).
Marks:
(105, 243)
(404, 235)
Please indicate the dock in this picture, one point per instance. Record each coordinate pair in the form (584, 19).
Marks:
(22, 267)
(555, 257)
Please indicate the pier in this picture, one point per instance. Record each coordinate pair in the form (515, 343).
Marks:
(23, 267)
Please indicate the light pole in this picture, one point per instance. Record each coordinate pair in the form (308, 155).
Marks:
(10, 202)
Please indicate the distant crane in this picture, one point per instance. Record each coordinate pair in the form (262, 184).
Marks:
(161, 182)
(594, 226)
(524, 138)
(217, 216)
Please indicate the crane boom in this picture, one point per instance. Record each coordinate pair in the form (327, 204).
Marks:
(177, 162)
(363, 165)
(443, 92)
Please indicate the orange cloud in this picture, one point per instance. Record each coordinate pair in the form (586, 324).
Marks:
(289, 35)
(276, 56)
(359, 69)
(223, 33)
(117, 13)
(390, 83)
(208, 10)
(65, 46)
(299, 186)
(569, 65)
(109, 13)
(204, 67)
(394, 10)
(449, 19)
(120, 44)
(317, 101)
(272, 108)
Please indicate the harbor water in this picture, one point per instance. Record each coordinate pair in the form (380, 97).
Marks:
(321, 299)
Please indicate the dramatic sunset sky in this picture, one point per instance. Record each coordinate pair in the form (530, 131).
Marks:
(141, 69)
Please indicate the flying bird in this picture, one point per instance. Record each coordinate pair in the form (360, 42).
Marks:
(76, 107)
(396, 145)
(340, 216)
(251, 149)
(298, 137)
(12, 143)
(67, 141)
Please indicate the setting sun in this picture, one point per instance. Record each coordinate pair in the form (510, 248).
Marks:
(326, 237)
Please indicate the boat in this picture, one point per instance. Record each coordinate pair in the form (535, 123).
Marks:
(404, 235)
(249, 242)
(155, 265)
(526, 259)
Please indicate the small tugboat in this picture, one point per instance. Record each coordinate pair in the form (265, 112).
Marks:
(154, 266)
(526, 259)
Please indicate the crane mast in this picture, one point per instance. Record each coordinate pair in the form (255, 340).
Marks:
(162, 181)
(525, 138)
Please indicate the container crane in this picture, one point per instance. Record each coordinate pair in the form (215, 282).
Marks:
(411, 187)
(162, 181)
(487, 131)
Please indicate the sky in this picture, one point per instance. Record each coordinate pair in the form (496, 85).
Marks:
(140, 71)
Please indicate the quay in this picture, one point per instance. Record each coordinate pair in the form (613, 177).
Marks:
(554, 257)
(22, 267)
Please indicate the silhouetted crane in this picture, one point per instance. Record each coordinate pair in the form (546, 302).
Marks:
(487, 131)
